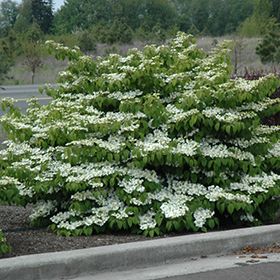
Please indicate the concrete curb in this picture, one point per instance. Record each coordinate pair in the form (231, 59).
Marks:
(70, 264)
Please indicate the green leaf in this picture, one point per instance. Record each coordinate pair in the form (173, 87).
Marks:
(193, 120)
(228, 129)
(217, 126)
(230, 208)
(211, 223)
(169, 225)
(88, 231)
(221, 207)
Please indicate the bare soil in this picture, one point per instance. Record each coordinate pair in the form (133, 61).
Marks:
(26, 240)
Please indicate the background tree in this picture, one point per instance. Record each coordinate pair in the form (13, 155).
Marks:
(260, 21)
(8, 52)
(75, 15)
(35, 11)
(275, 12)
(86, 42)
(42, 13)
(269, 48)
(32, 50)
(8, 15)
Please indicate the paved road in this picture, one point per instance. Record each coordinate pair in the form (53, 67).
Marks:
(22, 93)
(266, 271)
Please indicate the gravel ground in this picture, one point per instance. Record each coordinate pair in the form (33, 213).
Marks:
(26, 240)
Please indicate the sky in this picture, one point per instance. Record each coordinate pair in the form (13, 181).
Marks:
(56, 3)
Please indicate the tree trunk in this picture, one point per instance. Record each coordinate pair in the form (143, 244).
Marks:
(32, 77)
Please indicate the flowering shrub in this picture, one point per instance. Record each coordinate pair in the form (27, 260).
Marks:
(160, 140)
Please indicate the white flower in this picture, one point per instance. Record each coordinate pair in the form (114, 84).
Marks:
(43, 209)
(275, 150)
(131, 185)
(175, 207)
(121, 214)
(147, 221)
(247, 218)
(159, 140)
(186, 147)
(201, 215)
(215, 193)
(228, 116)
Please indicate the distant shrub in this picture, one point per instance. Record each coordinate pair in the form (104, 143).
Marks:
(69, 40)
(87, 41)
(116, 32)
(269, 47)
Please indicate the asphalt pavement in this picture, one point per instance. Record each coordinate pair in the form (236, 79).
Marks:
(22, 93)
(265, 271)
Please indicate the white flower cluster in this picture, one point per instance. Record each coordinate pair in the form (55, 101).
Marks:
(222, 151)
(129, 128)
(5, 181)
(139, 202)
(215, 193)
(42, 209)
(84, 195)
(63, 216)
(256, 184)
(176, 207)
(24, 190)
(247, 218)
(98, 216)
(186, 147)
(244, 143)
(188, 188)
(260, 106)
(113, 144)
(159, 140)
(125, 95)
(121, 214)
(275, 150)
(15, 149)
(227, 116)
(201, 215)
(147, 221)
(177, 114)
(114, 76)
(247, 85)
(266, 130)
(149, 175)
(132, 185)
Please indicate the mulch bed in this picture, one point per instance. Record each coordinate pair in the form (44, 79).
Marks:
(26, 240)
